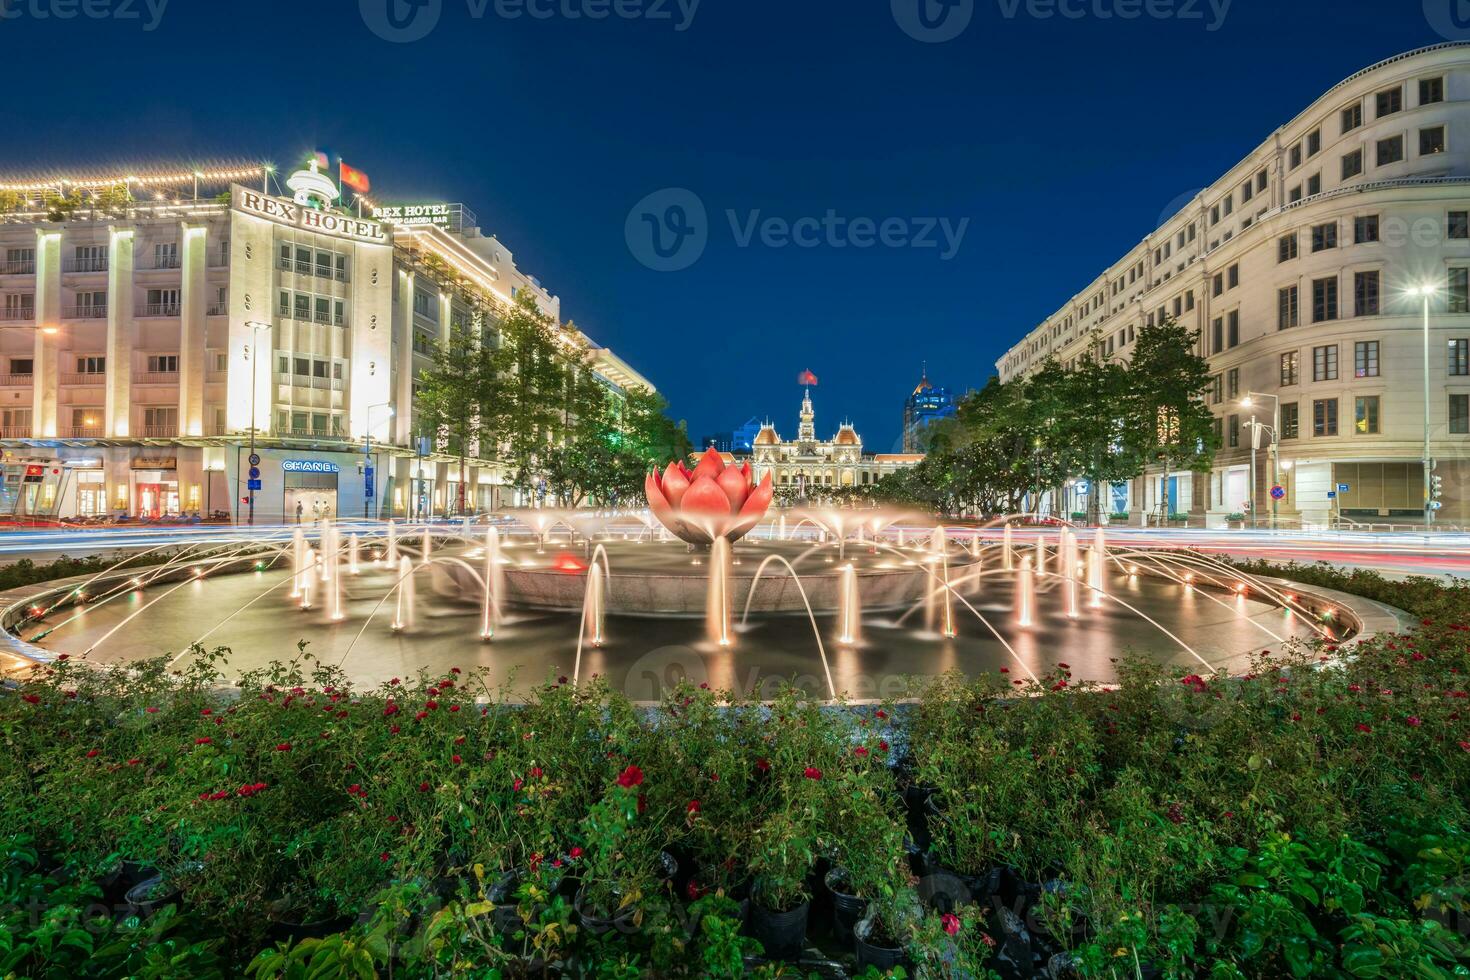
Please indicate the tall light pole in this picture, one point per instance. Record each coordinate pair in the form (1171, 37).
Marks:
(367, 450)
(1426, 291)
(253, 353)
(1274, 450)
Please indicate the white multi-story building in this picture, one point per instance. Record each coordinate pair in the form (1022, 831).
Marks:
(146, 329)
(809, 467)
(1300, 269)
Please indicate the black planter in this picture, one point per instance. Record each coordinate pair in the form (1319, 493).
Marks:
(599, 924)
(501, 893)
(781, 934)
(287, 928)
(945, 890)
(875, 954)
(147, 897)
(847, 908)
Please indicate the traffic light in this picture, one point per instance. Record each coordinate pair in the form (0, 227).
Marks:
(1436, 491)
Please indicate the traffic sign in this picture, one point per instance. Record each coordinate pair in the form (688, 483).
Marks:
(255, 472)
(252, 485)
(367, 482)
(255, 459)
(1343, 488)
(1277, 492)
(1331, 494)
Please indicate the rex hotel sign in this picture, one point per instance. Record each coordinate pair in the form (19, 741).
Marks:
(286, 212)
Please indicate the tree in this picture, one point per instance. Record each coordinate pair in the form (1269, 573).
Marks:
(451, 395)
(529, 401)
(1168, 419)
(1093, 426)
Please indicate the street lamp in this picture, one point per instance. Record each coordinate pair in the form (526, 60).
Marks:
(367, 450)
(1426, 292)
(252, 354)
(1275, 449)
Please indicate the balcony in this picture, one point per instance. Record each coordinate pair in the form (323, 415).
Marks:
(312, 434)
(95, 264)
(217, 309)
(158, 431)
(88, 378)
(219, 258)
(93, 312)
(156, 378)
(159, 309)
(82, 432)
(311, 381)
(18, 313)
(20, 267)
(160, 262)
(16, 380)
(15, 432)
(335, 319)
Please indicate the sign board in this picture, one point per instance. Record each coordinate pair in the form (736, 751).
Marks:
(1331, 494)
(1277, 492)
(255, 472)
(308, 466)
(1343, 488)
(255, 459)
(294, 215)
(439, 215)
(367, 482)
(252, 484)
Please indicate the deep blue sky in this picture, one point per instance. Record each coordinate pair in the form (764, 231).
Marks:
(1061, 141)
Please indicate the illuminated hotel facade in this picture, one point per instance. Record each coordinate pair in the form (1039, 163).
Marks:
(144, 332)
(1297, 269)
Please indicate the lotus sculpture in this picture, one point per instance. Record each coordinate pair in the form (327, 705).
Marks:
(715, 500)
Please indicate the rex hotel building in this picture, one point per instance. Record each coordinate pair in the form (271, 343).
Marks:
(150, 321)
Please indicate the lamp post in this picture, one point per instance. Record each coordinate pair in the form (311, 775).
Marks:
(253, 354)
(367, 450)
(1274, 450)
(1426, 292)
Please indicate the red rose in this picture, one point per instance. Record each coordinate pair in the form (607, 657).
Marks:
(861, 751)
(454, 707)
(431, 704)
(812, 772)
(1364, 728)
(284, 747)
(1413, 721)
(454, 670)
(763, 764)
(630, 777)
(31, 698)
(882, 745)
(134, 762)
(455, 759)
(206, 740)
(383, 857)
(423, 787)
(151, 711)
(574, 853)
(93, 753)
(693, 806)
(951, 923)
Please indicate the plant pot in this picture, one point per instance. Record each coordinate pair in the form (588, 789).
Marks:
(781, 934)
(874, 951)
(945, 890)
(147, 897)
(847, 908)
(501, 893)
(136, 872)
(288, 928)
(599, 924)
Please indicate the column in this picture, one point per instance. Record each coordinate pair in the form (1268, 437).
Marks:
(193, 303)
(47, 367)
(122, 337)
(403, 330)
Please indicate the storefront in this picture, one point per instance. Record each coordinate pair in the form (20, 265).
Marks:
(155, 487)
(310, 489)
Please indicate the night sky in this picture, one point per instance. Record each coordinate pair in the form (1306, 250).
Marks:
(1054, 144)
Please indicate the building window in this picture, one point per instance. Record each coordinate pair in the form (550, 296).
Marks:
(1365, 229)
(1365, 293)
(1217, 335)
(1431, 141)
(1431, 90)
(1459, 358)
(1232, 277)
(163, 364)
(1389, 101)
(1286, 248)
(1324, 237)
(91, 365)
(1459, 224)
(1459, 290)
(1217, 390)
(1290, 421)
(1324, 363)
(1324, 300)
(1324, 417)
(1365, 415)
(1365, 359)
(1352, 117)
(1287, 314)
(1314, 142)
(1290, 363)
(1460, 415)
(1294, 156)
(1232, 383)
(1217, 285)
(1232, 328)
(1390, 150)
(1352, 164)
(1234, 429)
(1296, 194)
(1314, 185)
(423, 306)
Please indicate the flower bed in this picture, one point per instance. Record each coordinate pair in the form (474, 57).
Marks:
(1308, 819)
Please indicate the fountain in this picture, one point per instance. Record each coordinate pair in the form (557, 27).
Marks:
(392, 555)
(849, 611)
(352, 566)
(718, 605)
(298, 561)
(308, 573)
(428, 543)
(594, 606)
(494, 585)
(1025, 592)
(1068, 562)
(1008, 558)
(403, 615)
(1040, 553)
(1097, 557)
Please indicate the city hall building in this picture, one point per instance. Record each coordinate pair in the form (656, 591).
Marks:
(810, 468)
(151, 321)
(1301, 269)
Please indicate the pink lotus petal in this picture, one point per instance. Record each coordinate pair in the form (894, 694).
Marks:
(711, 464)
(736, 487)
(675, 485)
(705, 499)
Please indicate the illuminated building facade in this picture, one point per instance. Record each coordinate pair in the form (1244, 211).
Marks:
(149, 322)
(806, 466)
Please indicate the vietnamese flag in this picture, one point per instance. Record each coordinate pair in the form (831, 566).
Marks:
(352, 177)
(806, 378)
